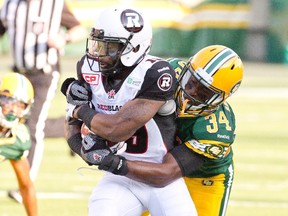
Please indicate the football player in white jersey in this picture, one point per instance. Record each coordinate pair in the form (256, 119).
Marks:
(126, 88)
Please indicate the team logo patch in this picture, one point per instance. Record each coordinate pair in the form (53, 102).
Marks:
(99, 155)
(133, 82)
(215, 150)
(111, 94)
(165, 82)
(207, 182)
(132, 21)
(92, 79)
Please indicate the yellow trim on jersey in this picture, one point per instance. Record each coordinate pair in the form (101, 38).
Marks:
(214, 142)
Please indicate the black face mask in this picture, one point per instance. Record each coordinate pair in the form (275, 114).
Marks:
(99, 46)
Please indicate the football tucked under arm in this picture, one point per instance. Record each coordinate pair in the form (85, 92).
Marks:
(94, 148)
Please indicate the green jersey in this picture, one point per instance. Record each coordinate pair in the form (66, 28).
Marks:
(210, 136)
(14, 143)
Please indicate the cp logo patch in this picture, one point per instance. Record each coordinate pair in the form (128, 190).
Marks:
(165, 82)
(92, 79)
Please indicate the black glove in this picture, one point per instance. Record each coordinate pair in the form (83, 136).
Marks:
(115, 164)
(94, 149)
(65, 85)
(76, 92)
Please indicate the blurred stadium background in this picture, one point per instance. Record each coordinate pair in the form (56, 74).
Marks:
(258, 31)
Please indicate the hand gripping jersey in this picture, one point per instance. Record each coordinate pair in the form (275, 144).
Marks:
(14, 143)
(153, 79)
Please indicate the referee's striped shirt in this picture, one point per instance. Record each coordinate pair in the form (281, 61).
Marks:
(28, 24)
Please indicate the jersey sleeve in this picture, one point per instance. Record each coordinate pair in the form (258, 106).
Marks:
(159, 82)
(188, 161)
(177, 65)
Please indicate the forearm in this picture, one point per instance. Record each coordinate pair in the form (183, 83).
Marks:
(157, 175)
(113, 127)
(121, 125)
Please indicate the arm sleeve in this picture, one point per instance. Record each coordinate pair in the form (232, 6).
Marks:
(68, 20)
(75, 143)
(187, 160)
(159, 82)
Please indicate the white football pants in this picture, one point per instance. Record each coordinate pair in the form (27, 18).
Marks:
(121, 196)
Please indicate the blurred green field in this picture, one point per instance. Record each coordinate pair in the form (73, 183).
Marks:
(261, 184)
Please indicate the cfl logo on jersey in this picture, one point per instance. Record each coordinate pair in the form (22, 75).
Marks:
(216, 151)
(132, 21)
(165, 82)
(92, 79)
(111, 94)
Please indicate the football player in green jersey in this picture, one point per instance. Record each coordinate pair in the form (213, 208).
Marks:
(16, 98)
(206, 130)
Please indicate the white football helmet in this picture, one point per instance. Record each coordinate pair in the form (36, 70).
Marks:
(122, 34)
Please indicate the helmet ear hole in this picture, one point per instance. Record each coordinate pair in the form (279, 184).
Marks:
(136, 49)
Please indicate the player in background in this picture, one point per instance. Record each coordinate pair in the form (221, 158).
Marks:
(128, 88)
(205, 132)
(37, 33)
(16, 98)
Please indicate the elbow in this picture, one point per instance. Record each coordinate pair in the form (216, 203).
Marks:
(167, 174)
(164, 178)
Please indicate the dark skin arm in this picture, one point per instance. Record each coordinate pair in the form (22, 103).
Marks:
(123, 124)
(157, 175)
(26, 186)
(71, 129)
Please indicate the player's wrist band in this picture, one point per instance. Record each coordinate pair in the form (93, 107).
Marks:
(86, 114)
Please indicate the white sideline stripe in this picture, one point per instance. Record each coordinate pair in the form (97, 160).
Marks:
(54, 195)
(72, 195)
(261, 204)
(263, 92)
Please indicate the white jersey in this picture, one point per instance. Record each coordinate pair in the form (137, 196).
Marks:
(151, 79)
